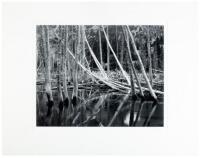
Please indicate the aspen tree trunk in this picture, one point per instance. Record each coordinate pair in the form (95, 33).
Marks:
(100, 47)
(116, 31)
(59, 71)
(83, 45)
(122, 52)
(65, 61)
(82, 53)
(149, 55)
(75, 90)
(47, 63)
(131, 62)
(141, 65)
(85, 62)
(74, 51)
(45, 35)
(68, 56)
(155, 57)
(40, 44)
(132, 80)
(108, 52)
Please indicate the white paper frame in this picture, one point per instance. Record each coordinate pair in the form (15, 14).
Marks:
(20, 134)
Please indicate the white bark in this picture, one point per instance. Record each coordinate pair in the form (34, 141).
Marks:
(141, 64)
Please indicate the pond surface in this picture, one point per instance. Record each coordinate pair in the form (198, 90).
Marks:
(103, 107)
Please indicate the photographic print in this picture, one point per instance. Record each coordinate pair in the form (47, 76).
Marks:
(100, 75)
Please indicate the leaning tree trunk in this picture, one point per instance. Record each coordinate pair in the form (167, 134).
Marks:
(45, 39)
(131, 62)
(108, 52)
(141, 64)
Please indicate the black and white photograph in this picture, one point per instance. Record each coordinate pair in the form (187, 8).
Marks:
(100, 75)
(105, 78)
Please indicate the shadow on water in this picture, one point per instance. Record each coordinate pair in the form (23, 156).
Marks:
(97, 107)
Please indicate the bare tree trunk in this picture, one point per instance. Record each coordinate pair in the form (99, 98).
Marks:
(141, 65)
(65, 55)
(120, 66)
(45, 35)
(132, 64)
(77, 52)
(100, 46)
(83, 45)
(68, 56)
(122, 52)
(85, 61)
(108, 52)
(149, 55)
(59, 73)
(82, 49)
(155, 57)
(116, 31)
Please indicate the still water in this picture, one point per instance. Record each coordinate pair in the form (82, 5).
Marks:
(97, 107)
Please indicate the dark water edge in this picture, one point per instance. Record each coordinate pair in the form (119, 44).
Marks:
(100, 107)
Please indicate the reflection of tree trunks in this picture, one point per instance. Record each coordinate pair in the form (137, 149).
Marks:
(60, 98)
(133, 99)
(139, 111)
(131, 120)
(133, 95)
(108, 110)
(37, 106)
(153, 109)
(118, 109)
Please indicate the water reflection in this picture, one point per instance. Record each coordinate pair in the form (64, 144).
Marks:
(103, 108)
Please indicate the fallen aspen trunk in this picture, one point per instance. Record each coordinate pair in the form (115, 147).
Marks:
(125, 86)
(91, 74)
